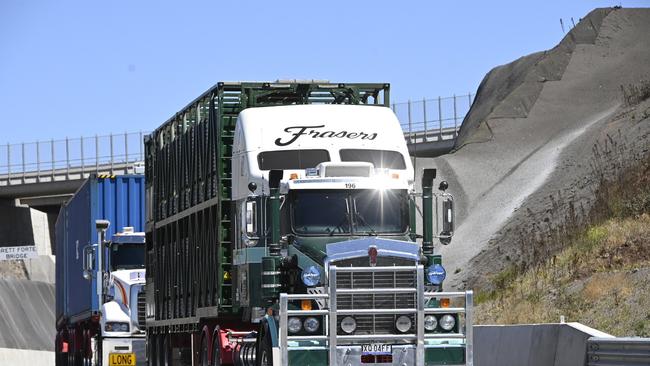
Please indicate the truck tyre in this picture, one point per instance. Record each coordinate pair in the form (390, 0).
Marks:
(166, 350)
(216, 348)
(152, 350)
(264, 355)
(203, 351)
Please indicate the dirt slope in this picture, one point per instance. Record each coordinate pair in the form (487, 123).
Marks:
(524, 155)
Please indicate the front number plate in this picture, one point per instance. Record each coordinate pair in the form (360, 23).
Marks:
(376, 349)
(121, 359)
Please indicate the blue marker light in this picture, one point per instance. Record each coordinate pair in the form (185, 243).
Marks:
(436, 274)
(311, 276)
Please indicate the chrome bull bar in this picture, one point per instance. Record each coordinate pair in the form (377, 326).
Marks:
(330, 324)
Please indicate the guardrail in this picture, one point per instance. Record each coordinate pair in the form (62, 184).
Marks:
(436, 119)
(618, 351)
(331, 313)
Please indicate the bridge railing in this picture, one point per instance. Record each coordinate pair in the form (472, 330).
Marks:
(435, 119)
(425, 120)
(53, 160)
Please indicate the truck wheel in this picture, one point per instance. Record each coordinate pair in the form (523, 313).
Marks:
(166, 351)
(264, 348)
(216, 348)
(152, 350)
(203, 352)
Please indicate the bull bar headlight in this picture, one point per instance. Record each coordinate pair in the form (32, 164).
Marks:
(348, 324)
(447, 322)
(311, 325)
(116, 327)
(403, 323)
(430, 322)
(294, 325)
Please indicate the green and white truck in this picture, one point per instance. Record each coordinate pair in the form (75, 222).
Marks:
(281, 230)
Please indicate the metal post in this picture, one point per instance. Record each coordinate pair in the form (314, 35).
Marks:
(410, 125)
(126, 149)
(111, 139)
(469, 100)
(38, 162)
(140, 142)
(96, 154)
(284, 321)
(8, 164)
(424, 112)
(52, 151)
(67, 159)
(469, 328)
(81, 144)
(419, 319)
(440, 116)
(333, 326)
(455, 118)
(23, 160)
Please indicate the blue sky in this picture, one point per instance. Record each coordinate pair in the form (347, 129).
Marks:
(73, 68)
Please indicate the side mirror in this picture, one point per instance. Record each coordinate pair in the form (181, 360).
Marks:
(448, 218)
(88, 261)
(250, 223)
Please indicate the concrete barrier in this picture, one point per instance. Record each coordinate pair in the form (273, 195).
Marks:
(23, 357)
(562, 344)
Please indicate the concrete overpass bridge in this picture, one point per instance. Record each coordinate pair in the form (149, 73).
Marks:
(44, 174)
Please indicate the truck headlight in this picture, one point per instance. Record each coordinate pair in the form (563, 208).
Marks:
(116, 327)
(311, 325)
(311, 276)
(403, 323)
(348, 324)
(436, 274)
(294, 325)
(430, 322)
(447, 322)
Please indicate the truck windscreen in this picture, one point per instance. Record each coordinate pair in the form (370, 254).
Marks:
(127, 256)
(357, 212)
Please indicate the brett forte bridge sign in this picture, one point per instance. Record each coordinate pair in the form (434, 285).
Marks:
(18, 253)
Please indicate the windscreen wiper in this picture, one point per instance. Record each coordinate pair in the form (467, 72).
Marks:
(339, 226)
(365, 223)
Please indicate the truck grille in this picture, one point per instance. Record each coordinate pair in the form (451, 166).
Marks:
(142, 303)
(380, 323)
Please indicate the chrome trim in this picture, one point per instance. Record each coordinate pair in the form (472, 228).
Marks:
(444, 310)
(333, 326)
(307, 312)
(376, 269)
(419, 319)
(376, 311)
(284, 320)
(337, 353)
(469, 328)
(372, 291)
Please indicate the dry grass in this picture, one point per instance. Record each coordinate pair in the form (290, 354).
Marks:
(596, 280)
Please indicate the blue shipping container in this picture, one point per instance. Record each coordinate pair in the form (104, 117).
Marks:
(119, 200)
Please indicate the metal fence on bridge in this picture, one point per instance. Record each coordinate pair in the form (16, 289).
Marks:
(425, 120)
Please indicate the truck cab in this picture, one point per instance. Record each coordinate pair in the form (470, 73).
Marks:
(121, 299)
(336, 184)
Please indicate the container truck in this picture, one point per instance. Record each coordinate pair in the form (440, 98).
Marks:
(100, 274)
(281, 230)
